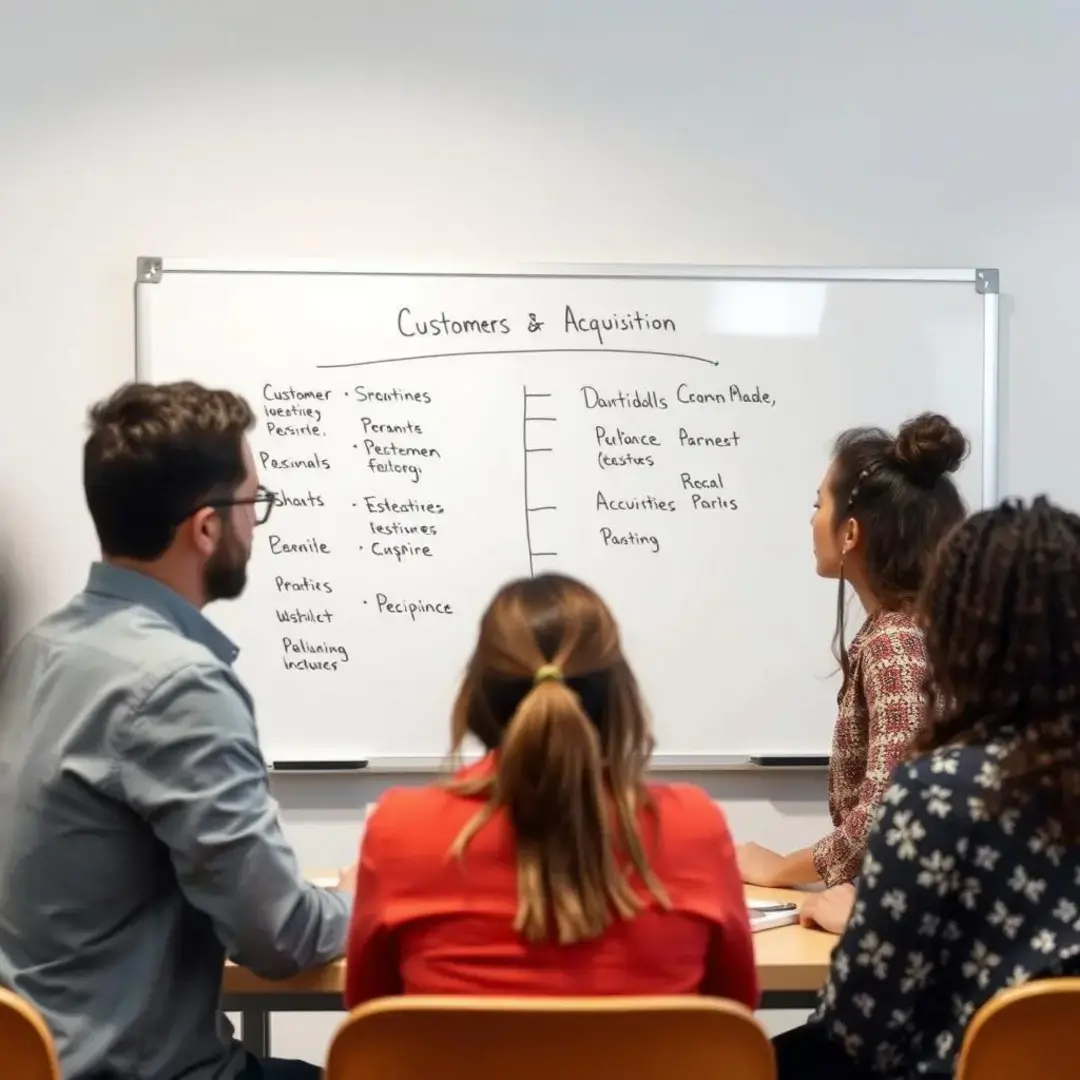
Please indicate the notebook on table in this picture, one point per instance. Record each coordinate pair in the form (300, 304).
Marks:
(766, 914)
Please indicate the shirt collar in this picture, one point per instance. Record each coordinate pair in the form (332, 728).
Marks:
(116, 581)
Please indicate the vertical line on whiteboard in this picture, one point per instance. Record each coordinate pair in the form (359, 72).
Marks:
(525, 469)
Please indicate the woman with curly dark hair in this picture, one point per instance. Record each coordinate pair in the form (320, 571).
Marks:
(970, 880)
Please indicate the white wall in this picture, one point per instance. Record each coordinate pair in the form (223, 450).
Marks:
(773, 131)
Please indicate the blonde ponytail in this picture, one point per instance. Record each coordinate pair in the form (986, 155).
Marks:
(570, 757)
(551, 780)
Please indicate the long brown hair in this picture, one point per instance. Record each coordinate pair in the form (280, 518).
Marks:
(1002, 611)
(549, 689)
(899, 491)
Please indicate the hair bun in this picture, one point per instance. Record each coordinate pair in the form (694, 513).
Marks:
(928, 446)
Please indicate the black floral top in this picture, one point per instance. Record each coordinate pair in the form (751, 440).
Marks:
(952, 905)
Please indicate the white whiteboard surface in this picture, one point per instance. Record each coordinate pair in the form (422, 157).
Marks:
(669, 457)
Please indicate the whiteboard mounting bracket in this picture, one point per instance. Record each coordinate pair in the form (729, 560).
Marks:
(148, 270)
(986, 282)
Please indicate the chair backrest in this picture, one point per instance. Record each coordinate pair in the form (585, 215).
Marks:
(26, 1046)
(611, 1038)
(1027, 1031)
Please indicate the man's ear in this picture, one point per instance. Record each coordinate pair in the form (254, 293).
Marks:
(204, 528)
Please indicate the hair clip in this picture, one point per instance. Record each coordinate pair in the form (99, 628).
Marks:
(865, 474)
(548, 673)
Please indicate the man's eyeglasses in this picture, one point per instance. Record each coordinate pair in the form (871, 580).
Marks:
(263, 502)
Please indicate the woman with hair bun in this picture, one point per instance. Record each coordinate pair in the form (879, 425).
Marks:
(550, 867)
(883, 508)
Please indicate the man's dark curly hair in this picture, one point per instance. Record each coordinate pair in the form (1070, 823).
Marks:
(1002, 611)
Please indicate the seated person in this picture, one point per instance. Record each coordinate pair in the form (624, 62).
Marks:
(550, 867)
(140, 841)
(883, 508)
(970, 881)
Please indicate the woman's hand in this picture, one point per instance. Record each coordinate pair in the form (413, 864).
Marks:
(828, 910)
(758, 865)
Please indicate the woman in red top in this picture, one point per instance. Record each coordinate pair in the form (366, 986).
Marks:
(550, 867)
(883, 509)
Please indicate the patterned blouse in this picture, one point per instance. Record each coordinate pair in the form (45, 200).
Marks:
(881, 708)
(953, 905)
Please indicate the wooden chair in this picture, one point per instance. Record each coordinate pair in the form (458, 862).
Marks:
(611, 1038)
(1032, 1030)
(26, 1045)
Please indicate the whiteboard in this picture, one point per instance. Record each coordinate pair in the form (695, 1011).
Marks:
(658, 432)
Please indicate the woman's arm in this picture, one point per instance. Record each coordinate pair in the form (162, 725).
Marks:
(760, 866)
(894, 669)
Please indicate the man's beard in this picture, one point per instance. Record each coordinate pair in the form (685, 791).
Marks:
(225, 574)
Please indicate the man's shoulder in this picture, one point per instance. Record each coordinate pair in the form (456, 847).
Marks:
(107, 643)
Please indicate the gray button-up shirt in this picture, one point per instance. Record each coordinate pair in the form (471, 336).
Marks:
(139, 842)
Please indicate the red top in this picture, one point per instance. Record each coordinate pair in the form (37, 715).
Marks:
(427, 923)
(881, 709)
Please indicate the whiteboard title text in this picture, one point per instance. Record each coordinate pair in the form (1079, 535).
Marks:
(410, 325)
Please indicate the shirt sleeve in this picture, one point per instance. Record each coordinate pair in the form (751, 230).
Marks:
(191, 767)
(372, 966)
(730, 969)
(885, 961)
(893, 685)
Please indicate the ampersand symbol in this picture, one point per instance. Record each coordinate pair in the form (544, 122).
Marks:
(534, 323)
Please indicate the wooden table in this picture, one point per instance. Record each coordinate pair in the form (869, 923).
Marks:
(792, 964)
(792, 961)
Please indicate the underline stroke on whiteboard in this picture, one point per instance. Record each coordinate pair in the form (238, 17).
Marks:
(520, 352)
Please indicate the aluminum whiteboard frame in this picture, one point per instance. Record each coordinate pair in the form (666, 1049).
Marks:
(150, 270)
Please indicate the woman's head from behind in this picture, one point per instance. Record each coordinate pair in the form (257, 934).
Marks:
(1002, 612)
(549, 689)
(883, 508)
